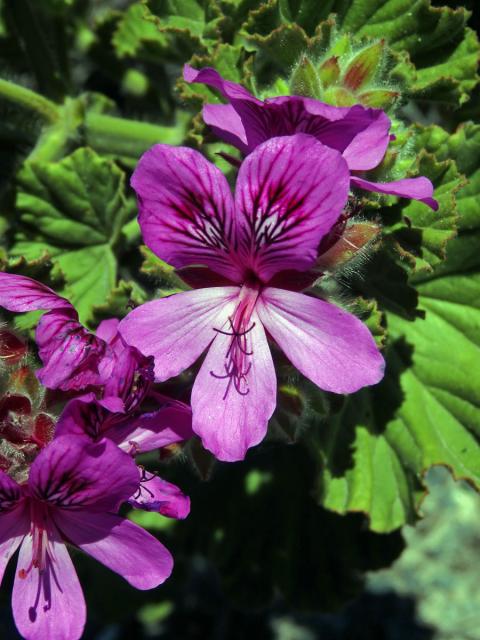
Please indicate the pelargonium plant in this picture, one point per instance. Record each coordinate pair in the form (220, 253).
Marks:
(270, 277)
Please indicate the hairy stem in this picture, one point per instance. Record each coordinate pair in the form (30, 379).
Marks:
(28, 99)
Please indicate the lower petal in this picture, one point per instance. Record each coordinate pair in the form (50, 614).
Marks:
(48, 604)
(154, 430)
(331, 347)
(14, 525)
(120, 545)
(414, 188)
(176, 330)
(233, 401)
(156, 494)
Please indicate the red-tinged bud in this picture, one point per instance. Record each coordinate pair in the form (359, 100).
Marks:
(379, 98)
(340, 97)
(329, 71)
(363, 67)
(12, 348)
(43, 429)
(354, 239)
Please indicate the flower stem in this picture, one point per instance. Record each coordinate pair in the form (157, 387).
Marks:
(130, 138)
(28, 99)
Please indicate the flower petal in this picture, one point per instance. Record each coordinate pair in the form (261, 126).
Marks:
(156, 494)
(176, 330)
(19, 293)
(226, 124)
(120, 545)
(153, 430)
(291, 190)
(48, 604)
(252, 129)
(14, 525)
(328, 345)
(10, 493)
(231, 412)
(371, 139)
(415, 188)
(186, 209)
(71, 355)
(73, 473)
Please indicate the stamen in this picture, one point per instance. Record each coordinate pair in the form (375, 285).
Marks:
(237, 365)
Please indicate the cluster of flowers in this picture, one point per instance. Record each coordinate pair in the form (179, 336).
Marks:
(247, 259)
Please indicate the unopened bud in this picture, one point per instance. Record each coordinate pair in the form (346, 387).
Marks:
(354, 239)
(364, 66)
(305, 80)
(329, 71)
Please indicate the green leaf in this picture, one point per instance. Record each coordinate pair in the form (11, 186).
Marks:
(444, 52)
(73, 211)
(426, 411)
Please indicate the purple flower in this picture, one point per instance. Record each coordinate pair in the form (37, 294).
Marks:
(290, 192)
(74, 490)
(137, 433)
(74, 358)
(361, 135)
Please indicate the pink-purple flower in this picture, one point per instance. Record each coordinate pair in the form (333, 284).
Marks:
(72, 496)
(290, 192)
(75, 359)
(360, 134)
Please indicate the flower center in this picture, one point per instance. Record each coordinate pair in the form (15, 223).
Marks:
(238, 358)
(41, 547)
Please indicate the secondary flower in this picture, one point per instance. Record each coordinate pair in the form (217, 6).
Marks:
(74, 358)
(136, 433)
(290, 192)
(361, 135)
(74, 490)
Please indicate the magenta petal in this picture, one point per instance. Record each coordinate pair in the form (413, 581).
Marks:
(120, 545)
(70, 353)
(10, 493)
(153, 430)
(368, 146)
(231, 413)
(288, 205)
(48, 605)
(19, 293)
(107, 329)
(415, 188)
(72, 472)
(330, 346)
(14, 525)
(186, 209)
(156, 494)
(212, 78)
(176, 330)
(226, 124)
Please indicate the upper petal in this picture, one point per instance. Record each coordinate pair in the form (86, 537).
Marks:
(48, 604)
(120, 545)
(19, 293)
(234, 394)
(71, 354)
(10, 492)
(177, 329)
(415, 188)
(226, 123)
(290, 191)
(255, 127)
(74, 473)
(328, 345)
(186, 209)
